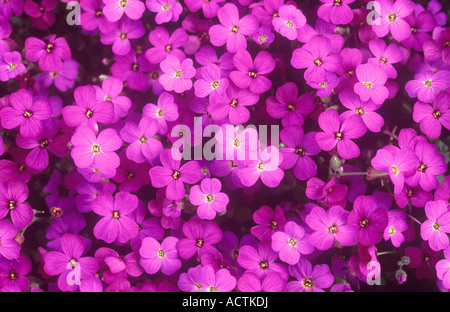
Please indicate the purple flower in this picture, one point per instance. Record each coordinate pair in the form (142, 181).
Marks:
(291, 243)
(437, 226)
(177, 74)
(142, 146)
(421, 24)
(72, 222)
(63, 80)
(156, 256)
(296, 154)
(148, 226)
(338, 133)
(206, 279)
(416, 195)
(200, 237)
(427, 85)
(398, 163)
(369, 219)
(322, 29)
(50, 52)
(317, 57)
(209, 8)
(110, 91)
(325, 86)
(116, 223)
(165, 44)
(252, 74)
(385, 56)
(165, 110)
(10, 65)
(14, 274)
(166, 10)
(10, 248)
(443, 192)
(443, 269)
(64, 262)
(371, 83)
(9, 7)
(26, 113)
(115, 9)
(131, 175)
(88, 111)
(329, 226)
(435, 49)
(93, 17)
(395, 227)
(98, 151)
(333, 191)
(392, 19)
(287, 106)
(208, 198)
(232, 30)
(264, 36)
(12, 199)
(309, 279)
(261, 261)
(211, 84)
(268, 222)
(249, 282)
(42, 14)
(131, 68)
(433, 117)
(173, 175)
(288, 21)
(120, 36)
(336, 11)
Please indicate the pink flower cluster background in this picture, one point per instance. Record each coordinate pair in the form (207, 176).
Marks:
(93, 200)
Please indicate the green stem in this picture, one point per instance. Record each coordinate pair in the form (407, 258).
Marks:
(385, 253)
(414, 219)
(381, 174)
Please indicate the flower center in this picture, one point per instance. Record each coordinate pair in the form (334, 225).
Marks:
(261, 166)
(422, 168)
(135, 66)
(166, 7)
(12, 275)
(308, 283)
(333, 229)
(89, 113)
(428, 83)
(199, 242)
(236, 143)
(323, 85)
(161, 253)
(49, 47)
(168, 48)
(212, 289)
(410, 193)
(21, 168)
(300, 151)
(12, 66)
(318, 62)
(290, 24)
(368, 85)
(292, 242)
(291, 107)
(130, 175)
(215, 84)
(176, 174)
(392, 17)
(123, 3)
(123, 36)
(264, 265)
(338, 136)
(413, 30)
(446, 44)
(159, 113)
(273, 224)
(234, 29)
(178, 73)
(116, 215)
(198, 286)
(395, 170)
(43, 144)
(99, 13)
(27, 114)
(262, 38)
(437, 114)
(360, 111)
(12, 205)
(56, 212)
(107, 98)
(337, 2)
(154, 75)
(143, 139)
(391, 230)
(73, 262)
(383, 60)
(364, 223)
(436, 226)
(96, 148)
(233, 103)
(209, 198)
(252, 74)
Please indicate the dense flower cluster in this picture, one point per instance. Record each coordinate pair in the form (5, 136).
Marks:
(128, 163)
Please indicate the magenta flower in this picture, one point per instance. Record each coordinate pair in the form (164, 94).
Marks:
(268, 222)
(261, 261)
(14, 274)
(336, 11)
(207, 280)
(12, 199)
(371, 83)
(207, 56)
(120, 36)
(64, 262)
(177, 75)
(325, 86)
(87, 192)
(423, 259)
(385, 56)
(142, 144)
(165, 44)
(130, 175)
(369, 219)
(211, 84)
(249, 282)
(291, 243)
(42, 14)
(288, 106)
(172, 175)
(437, 226)
(88, 111)
(200, 238)
(334, 192)
(10, 248)
(264, 36)
(209, 8)
(398, 163)
(156, 256)
(98, 151)
(443, 192)
(414, 195)
(296, 154)
(232, 30)
(288, 21)
(322, 29)
(330, 226)
(427, 85)
(252, 74)
(50, 52)
(10, 65)
(110, 91)
(208, 198)
(433, 117)
(116, 223)
(63, 80)
(309, 279)
(421, 24)
(10, 7)
(364, 110)
(392, 19)
(26, 113)
(339, 133)
(317, 57)
(92, 16)
(166, 10)
(165, 110)
(395, 227)
(435, 49)
(115, 9)
(132, 68)
(443, 269)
